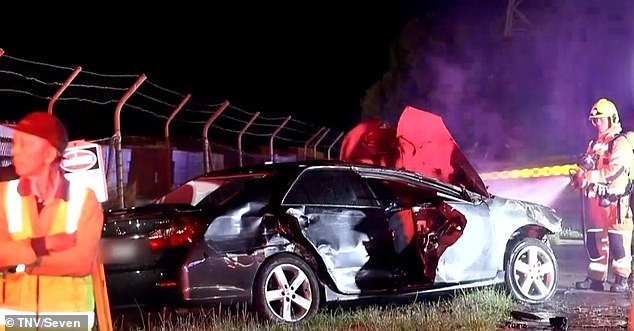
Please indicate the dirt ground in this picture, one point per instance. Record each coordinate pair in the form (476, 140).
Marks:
(581, 309)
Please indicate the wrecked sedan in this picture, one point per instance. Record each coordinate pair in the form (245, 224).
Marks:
(287, 238)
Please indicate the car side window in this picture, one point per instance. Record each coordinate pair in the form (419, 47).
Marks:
(330, 187)
(389, 191)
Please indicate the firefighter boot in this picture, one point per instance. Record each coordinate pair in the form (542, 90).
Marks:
(620, 284)
(589, 284)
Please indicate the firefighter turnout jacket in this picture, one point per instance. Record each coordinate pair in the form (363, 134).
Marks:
(613, 159)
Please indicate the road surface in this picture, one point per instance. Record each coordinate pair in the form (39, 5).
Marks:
(583, 309)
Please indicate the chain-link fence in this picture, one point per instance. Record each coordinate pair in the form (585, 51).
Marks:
(155, 156)
(151, 167)
(5, 146)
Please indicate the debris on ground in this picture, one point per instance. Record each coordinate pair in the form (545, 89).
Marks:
(536, 321)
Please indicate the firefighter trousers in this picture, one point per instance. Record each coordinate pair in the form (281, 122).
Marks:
(609, 236)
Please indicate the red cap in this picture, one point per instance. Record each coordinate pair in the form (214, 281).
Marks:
(46, 126)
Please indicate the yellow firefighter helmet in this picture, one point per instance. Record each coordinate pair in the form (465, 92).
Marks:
(605, 108)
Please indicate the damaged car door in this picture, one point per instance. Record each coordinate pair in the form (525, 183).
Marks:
(438, 235)
(344, 223)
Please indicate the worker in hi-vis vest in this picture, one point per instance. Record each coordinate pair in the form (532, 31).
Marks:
(49, 230)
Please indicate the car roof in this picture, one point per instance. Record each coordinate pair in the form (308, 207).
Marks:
(294, 167)
(291, 165)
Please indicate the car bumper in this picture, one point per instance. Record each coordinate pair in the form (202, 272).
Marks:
(142, 287)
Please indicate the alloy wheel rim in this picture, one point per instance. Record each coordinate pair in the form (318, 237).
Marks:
(288, 293)
(534, 273)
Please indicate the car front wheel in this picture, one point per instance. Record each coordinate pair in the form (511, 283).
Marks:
(532, 271)
(286, 290)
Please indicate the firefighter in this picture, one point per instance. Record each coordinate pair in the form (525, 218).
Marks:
(604, 178)
(49, 228)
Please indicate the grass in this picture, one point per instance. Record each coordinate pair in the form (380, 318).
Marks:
(483, 309)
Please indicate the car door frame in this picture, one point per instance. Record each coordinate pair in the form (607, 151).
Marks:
(344, 270)
(454, 266)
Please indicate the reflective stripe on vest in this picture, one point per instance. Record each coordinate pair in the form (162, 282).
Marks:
(13, 200)
(18, 224)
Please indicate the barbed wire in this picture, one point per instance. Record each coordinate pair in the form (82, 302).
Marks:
(161, 116)
(7, 56)
(100, 140)
(96, 102)
(262, 117)
(8, 72)
(156, 100)
(164, 89)
(42, 82)
(24, 92)
(101, 87)
(300, 132)
(68, 68)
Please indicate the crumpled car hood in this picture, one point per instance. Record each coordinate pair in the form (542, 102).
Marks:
(512, 209)
(421, 143)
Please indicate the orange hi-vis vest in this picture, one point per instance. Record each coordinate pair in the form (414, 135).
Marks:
(30, 294)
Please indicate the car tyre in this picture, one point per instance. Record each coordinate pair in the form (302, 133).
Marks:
(532, 272)
(286, 290)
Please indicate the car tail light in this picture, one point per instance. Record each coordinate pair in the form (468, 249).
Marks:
(176, 234)
(166, 283)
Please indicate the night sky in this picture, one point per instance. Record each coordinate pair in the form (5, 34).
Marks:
(310, 60)
(518, 99)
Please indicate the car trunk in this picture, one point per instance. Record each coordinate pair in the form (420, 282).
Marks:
(142, 237)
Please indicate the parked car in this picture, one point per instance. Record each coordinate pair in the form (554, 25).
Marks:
(286, 238)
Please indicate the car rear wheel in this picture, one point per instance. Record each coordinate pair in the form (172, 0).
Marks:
(286, 290)
(532, 271)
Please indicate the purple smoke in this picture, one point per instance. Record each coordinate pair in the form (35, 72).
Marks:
(522, 99)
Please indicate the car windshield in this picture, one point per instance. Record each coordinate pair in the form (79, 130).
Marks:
(208, 190)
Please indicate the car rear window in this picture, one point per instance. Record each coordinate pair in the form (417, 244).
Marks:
(208, 190)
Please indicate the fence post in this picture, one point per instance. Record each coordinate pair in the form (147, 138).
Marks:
(117, 136)
(62, 88)
(168, 146)
(173, 114)
(279, 128)
(310, 140)
(242, 132)
(207, 151)
(334, 142)
(317, 143)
